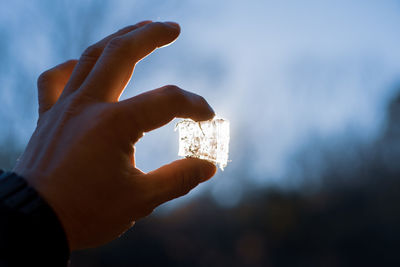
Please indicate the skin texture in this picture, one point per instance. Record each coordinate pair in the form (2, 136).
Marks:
(81, 156)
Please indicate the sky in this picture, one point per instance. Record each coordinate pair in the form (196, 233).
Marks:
(284, 73)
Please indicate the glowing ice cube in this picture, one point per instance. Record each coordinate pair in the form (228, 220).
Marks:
(207, 140)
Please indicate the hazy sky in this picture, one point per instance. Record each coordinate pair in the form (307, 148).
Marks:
(283, 72)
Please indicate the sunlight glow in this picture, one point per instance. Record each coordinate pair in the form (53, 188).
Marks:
(207, 140)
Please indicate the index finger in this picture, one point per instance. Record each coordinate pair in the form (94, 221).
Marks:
(114, 68)
(156, 108)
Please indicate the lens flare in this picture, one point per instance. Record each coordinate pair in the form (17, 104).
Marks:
(208, 140)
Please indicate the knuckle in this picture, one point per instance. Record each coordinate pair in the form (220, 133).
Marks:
(92, 52)
(175, 97)
(175, 92)
(75, 104)
(111, 115)
(119, 47)
(117, 43)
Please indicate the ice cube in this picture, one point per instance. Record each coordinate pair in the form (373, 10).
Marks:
(207, 140)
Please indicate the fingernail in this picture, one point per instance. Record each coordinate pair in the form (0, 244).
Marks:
(173, 24)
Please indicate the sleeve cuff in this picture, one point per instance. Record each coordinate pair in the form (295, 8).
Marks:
(30, 232)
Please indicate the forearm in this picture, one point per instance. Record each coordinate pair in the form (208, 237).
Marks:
(30, 232)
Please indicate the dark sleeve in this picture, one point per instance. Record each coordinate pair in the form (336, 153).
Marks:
(30, 232)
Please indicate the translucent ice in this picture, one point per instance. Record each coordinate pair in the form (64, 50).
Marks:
(207, 140)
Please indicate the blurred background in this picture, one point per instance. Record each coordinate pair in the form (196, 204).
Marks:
(312, 91)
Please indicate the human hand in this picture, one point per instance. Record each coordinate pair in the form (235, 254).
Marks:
(81, 156)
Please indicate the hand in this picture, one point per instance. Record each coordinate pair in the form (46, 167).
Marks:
(81, 156)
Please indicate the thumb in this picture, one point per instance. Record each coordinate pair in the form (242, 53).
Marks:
(51, 83)
(178, 178)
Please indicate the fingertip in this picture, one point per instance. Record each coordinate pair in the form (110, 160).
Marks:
(211, 112)
(178, 178)
(173, 25)
(165, 32)
(209, 171)
(200, 169)
(207, 112)
(175, 29)
(66, 65)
